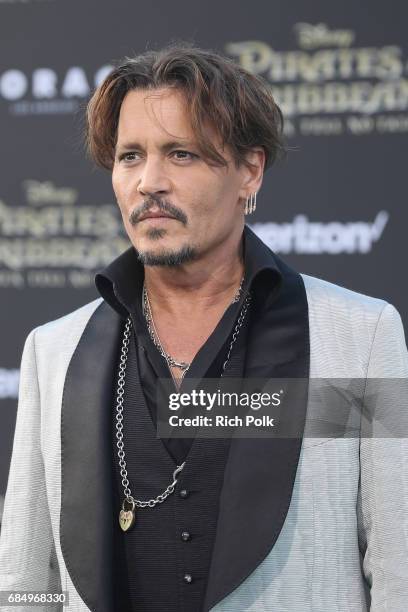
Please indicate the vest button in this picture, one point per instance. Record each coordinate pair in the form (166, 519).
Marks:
(188, 578)
(185, 536)
(183, 493)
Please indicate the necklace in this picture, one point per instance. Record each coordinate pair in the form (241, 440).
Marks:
(171, 362)
(127, 513)
(147, 311)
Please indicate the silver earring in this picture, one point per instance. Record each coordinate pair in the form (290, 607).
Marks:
(250, 204)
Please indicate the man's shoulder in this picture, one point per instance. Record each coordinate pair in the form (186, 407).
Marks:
(69, 325)
(326, 296)
(354, 335)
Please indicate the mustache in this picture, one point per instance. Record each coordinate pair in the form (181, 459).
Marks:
(162, 205)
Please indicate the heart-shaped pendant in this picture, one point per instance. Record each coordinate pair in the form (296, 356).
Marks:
(127, 517)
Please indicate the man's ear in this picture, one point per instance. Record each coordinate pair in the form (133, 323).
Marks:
(253, 174)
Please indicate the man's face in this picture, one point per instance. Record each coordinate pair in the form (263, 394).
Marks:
(158, 170)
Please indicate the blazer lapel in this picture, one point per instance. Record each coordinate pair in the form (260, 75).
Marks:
(86, 520)
(260, 473)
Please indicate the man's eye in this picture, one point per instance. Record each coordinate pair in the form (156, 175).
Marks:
(184, 155)
(128, 156)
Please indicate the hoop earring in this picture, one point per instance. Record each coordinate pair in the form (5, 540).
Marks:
(250, 204)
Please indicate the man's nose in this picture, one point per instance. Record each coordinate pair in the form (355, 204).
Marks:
(153, 178)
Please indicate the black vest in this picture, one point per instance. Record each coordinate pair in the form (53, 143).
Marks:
(163, 561)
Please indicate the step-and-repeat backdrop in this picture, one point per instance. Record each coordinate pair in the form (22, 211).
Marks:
(335, 208)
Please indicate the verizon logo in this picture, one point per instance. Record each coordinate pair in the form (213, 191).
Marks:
(303, 237)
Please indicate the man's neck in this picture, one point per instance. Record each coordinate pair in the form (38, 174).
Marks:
(198, 286)
(188, 302)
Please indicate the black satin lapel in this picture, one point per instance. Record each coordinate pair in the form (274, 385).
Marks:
(86, 452)
(260, 473)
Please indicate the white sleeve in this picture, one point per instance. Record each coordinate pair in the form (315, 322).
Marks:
(27, 551)
(382, 510)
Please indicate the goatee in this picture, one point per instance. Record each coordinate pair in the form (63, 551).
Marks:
(169, 259)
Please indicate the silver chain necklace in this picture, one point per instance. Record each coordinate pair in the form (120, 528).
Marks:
(171, 362)
(147, 311)
(127, 515)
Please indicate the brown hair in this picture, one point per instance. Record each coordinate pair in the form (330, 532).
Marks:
(237, 103)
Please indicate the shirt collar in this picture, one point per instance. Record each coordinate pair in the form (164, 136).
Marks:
(120, 283)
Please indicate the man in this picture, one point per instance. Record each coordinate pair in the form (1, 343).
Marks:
(100, 507)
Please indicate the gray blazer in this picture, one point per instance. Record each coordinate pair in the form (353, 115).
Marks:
(341, 544)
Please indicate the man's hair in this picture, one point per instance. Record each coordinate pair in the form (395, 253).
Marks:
(239, 105)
